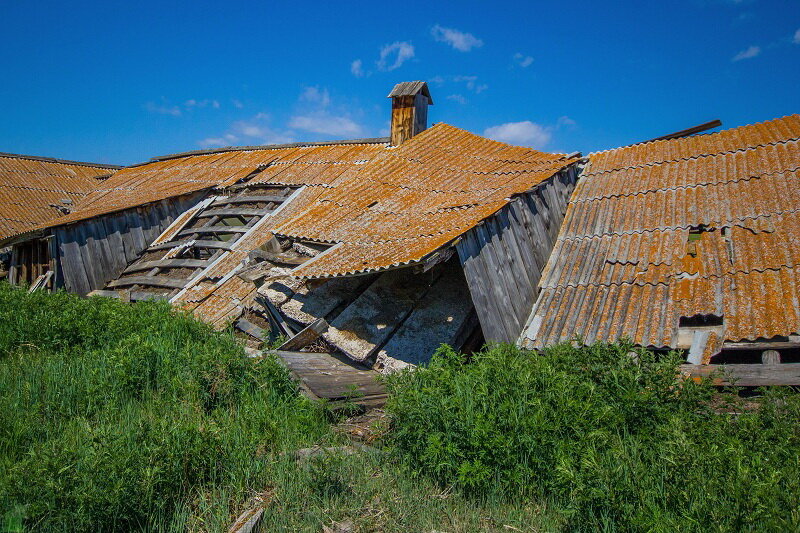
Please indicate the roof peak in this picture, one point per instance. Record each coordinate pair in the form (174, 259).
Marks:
(56, 160)
(372, 140)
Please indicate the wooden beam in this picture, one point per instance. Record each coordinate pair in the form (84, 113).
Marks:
(280, 258)
(306, 336)
(149, 281)
(759, 346)
(250, 199)
(750, 375)
(688, 131)
(251, 329)
(235, 212)
(215, 229)
(168, 263)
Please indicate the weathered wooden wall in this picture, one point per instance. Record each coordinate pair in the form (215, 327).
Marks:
(503, 257)
(92, 252)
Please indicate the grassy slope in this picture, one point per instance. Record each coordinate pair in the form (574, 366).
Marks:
(120, 417)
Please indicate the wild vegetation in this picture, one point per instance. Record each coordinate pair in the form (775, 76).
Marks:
(611, 441)
(137, 417)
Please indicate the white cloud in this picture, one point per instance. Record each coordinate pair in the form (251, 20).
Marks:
(524, 133)
(255, 130)
(565, 121)
(163, 109)
(326, 124)
(316, 96)
(237, 103)
(461, 41)
(357, 68)
(751, 52)
(218, 142)
(522, 60)
(471, 82)
(796, 38)
(457, 98)
(403, 50)
(192, 103)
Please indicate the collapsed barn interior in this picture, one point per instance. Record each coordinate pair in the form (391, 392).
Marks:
(370, 253)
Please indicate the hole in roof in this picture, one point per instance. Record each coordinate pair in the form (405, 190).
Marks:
(699, 321)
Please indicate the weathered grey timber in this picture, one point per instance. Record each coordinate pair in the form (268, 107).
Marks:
(92, 252)
(503, 257)
(749, 375)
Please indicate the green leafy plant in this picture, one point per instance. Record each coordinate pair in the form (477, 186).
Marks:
(614, 441)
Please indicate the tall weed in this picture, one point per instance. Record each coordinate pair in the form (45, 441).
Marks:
(614, 441)
(119, 417)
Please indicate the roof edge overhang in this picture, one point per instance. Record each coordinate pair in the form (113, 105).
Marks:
(61, 161)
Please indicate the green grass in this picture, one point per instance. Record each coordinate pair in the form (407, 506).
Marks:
(610, 441)
(118, 417)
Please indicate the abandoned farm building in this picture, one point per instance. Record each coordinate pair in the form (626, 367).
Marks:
(379, 250)
(34, 190)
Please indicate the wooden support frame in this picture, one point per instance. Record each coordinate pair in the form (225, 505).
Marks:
(750, 375)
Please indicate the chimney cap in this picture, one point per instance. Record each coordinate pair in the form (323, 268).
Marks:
(411, 88)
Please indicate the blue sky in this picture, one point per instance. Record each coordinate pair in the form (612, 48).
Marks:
(123, 82)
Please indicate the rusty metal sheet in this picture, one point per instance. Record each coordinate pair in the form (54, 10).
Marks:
(625, 265)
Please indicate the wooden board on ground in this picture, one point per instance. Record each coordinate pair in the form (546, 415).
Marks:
(330, 377)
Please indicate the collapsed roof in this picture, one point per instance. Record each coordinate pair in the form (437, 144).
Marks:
(673, 234)
(38, 189)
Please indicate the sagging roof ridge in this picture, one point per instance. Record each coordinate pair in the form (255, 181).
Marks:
(61, 161)
(763, 122)
(371, 140)
(735, 221)
(665, 161)
(685, 187)
(667, 280)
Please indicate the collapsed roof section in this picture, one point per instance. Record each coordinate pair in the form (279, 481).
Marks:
(684, 243)
(413, 199)
(37, 189)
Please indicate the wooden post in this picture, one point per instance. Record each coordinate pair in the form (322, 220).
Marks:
(770, 357)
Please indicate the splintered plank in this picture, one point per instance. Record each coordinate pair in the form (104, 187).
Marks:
(250, 199)
(437, 318)
(151, 281)
(375, 315)
(168, 263)
(306, 336)
(234, 212)
(215, 229)
(332, 378)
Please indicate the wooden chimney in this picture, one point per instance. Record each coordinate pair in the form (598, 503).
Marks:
(410, 101)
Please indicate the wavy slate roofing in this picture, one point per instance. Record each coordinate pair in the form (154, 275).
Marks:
(413, 199)
(397, 209)
(30, 186)
(296, 164)
(704, 225)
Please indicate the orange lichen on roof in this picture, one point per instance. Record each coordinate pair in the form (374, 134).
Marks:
(704, 225)
(32, 189)
(176, 176)
(413, 199)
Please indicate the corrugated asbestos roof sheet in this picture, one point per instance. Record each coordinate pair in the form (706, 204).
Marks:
(30, 185)
(704, 225)
(413, 199)
(175, 176)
